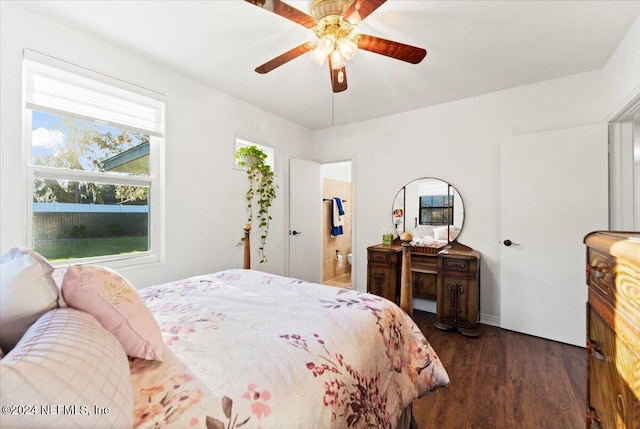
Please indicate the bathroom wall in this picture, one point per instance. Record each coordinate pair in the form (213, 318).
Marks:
(332, 267)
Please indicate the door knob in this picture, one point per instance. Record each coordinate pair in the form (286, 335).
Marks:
(294, 232)
(508, 243)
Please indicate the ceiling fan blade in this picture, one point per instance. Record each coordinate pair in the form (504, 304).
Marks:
(397, 50)
(285, 58)
(357, 11)
(338, 77)
(281, 8)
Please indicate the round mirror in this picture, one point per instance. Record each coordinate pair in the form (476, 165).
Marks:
(431, 210)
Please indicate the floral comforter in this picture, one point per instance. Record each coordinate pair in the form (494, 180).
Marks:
(246, 349)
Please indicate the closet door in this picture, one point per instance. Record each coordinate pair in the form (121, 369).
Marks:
(553, 191)
(305, 220)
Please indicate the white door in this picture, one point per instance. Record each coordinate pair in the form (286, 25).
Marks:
(553, 191)
(305, 220)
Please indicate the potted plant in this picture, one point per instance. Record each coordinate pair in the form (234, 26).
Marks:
(261, 190)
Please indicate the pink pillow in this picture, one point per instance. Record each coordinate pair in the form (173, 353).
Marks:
(112, 300)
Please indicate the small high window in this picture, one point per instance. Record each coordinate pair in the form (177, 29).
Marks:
(269, 151)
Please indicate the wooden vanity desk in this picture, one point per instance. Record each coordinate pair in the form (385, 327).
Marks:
(426, 260)
(449, 276)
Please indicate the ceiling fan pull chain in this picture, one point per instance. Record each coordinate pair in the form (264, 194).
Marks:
(333, 109)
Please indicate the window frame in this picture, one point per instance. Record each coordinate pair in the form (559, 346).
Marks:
(268, 150)
(445, 208)
(155, 182)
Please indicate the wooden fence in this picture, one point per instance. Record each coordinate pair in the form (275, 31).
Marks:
(56, 225)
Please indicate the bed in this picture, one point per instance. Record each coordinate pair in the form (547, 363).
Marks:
(238, 348)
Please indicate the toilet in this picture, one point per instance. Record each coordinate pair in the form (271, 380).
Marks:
(349, 258)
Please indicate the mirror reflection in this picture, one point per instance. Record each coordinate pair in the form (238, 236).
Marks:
(431, 210)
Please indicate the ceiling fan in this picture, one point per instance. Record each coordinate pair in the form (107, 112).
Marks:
(333, 22)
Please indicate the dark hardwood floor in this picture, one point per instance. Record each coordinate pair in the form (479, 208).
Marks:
(503, 380)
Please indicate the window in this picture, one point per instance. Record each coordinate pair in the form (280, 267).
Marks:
(266, 149)
(94, 171)
(436, 210)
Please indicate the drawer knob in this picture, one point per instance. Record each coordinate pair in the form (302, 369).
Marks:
(620, 404)
(592, 349)
(594, 272)
(592, 421)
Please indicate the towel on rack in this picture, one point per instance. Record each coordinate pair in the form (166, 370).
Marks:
(337, 217)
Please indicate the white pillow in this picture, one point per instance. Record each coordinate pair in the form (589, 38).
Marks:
(423, 231)
(66, 364)
(27, 291)
(440, 233)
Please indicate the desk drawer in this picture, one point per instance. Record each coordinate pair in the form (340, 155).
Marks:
(383, 257)
(461, 265)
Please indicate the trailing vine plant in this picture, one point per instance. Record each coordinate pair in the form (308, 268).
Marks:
(261, 191)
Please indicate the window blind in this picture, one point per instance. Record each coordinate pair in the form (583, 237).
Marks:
(63, 91)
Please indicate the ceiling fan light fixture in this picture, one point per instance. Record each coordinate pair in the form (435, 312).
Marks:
(326, 44)
(337, 60)
(333, 22)
(317, 56)
(347, 47)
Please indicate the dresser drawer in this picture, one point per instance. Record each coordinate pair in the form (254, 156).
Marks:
(613, 384)
(461, 265)
(383, 257)
(600, 274)
(424, 263)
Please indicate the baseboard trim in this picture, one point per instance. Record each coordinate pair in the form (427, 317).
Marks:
(490, 319)
(431, 307)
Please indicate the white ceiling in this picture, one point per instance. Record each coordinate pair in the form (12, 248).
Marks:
(474, 47)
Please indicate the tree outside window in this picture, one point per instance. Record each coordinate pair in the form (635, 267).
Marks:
(88, 213)
(436, 210)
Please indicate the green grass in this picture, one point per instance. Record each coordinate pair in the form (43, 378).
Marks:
(72, 248)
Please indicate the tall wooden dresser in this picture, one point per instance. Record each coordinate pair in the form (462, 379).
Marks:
(613, 330)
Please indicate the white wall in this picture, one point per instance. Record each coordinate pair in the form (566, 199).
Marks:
(622, 72)
(203, 194)
(458, 142)
(337, 171)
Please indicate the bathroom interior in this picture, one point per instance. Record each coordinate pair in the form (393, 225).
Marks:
(336, 242)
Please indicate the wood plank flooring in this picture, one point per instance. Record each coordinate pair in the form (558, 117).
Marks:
(503, 380)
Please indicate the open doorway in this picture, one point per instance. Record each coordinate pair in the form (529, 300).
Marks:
(337, 228)
(624, 168)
